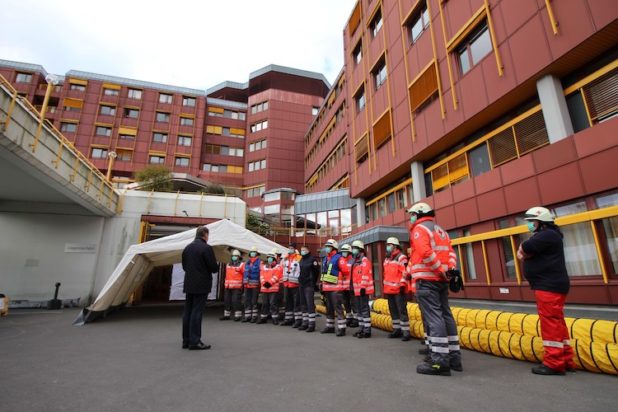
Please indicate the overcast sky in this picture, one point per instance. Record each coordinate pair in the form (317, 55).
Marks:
(188, 43)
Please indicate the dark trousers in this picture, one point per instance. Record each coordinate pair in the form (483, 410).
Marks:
(397, 305)
(364, 313)
(192, 318)
(251, 297)
(334, 306)
(292, 304)
(349, 304)
(270, 304)
(231, 302)
(307, 304)
(442, 334)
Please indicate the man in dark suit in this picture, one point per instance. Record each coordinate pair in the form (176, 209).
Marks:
(199, 263)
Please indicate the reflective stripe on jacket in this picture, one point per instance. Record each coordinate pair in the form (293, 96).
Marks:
(272, 275)
(432, 253)
(330, 272)
(234, 275)
(362, 276)
(291, 271)
(395, 273)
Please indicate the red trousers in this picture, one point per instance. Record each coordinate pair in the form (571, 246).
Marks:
(558, 351)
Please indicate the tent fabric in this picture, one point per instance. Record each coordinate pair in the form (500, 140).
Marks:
(139, 260)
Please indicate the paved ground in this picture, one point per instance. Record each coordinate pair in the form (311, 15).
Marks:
(133, 361)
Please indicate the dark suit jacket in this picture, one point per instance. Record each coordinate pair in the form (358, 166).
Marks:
(199, 263)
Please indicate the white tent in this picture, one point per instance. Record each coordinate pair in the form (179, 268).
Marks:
(139, 260)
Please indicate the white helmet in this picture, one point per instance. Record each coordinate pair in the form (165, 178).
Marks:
(273, 253)
(346, 248)
(358, 244)
(393, 241)
(333, 243)
(253, 249)
(235, 252)
(539, 213)
(420, 207)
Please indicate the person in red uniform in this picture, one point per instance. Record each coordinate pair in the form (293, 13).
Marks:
(432, 258)
(349, 300)
(270, 276)
(545, 270)
(331, 285)
(234, 272)
(395, 289)
(291, 271)
(362, 283)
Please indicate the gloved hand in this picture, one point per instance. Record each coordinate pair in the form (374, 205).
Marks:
(408, 277)
(363, 292)
(402, 290)
(267, 285)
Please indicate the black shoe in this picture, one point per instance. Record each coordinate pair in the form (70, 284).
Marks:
(358, 333)
(224, 318)
(288, 322)
(366, 335)
(199, 346)
(185, 346)
(545, 370)
(424, 351)
(458, 367)
(328, 330)
(435, 369)
(395, 334)
(261, 321)
(275, 321)
(571, 369)
(310, 328)
(406, 336)
(253, 320)
(297, 324)
(245, 320)
(340, 332)
(427, 359)
(237, 319)
(303, 326)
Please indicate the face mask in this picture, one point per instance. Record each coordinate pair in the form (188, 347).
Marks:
(271, 260)
(531, 226)
(234, 258)
(253, 254)
(304, 252)
(413, 219)
(389, 249)
(344, 254)
(291, 251)
(355, 252)
(328, 249)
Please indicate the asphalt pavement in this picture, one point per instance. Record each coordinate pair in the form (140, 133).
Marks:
(133, 361)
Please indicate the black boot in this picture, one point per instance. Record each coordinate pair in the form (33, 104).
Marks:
(311, 328)
(297, 323)
(456, 366)
(303, 326)
(245, 320)
(341, 332)
(545, 370)
(435, 369)
(254, 320)
(275, 321)
(424, 351)
(328, 330)
(396, 333)
(237, 319)
(261, 321)
(406, 336)
(224, 317)
(366, 334)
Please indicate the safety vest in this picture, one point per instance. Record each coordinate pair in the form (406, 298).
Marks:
(291, 271)
(234, 275)
(271, 275)
(251, 277)
(345, 267)
(432, 253)
(362, 276)
(395, 274)
(330, 272)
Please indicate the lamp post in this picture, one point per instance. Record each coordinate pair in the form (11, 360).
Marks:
(52, 81)
(111, 156)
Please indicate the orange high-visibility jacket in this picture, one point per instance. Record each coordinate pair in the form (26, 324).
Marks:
(362, 276)
(291, 270)
(234, 275)
(395, 273)
(345, 273)
(432, 253)
(272, 275)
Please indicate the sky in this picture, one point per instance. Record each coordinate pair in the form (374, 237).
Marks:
(188, 43)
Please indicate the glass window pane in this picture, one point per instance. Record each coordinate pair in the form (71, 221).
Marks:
(607, 200)
(509, 259)
(322, 222)
(469, 251)
(570, 209)
(391, 203)
(610, 226)
(480, 47)
(464, 61)
(333, 214)
(579, 250)
(479, 160)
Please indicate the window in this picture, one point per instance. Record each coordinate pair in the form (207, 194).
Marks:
(469, 252)
(126, 137)
(131, 113)
(184, 140)
(188, 101)
(379, 74)
(419, 23)
(257, 165)
(479, 160)
(259, 145)
(68, 127)
(315, 110)
(156, 159)
(259, 126)
(98, 153)
(376, 24)
(103, 131)
(163, 117)
(360, 99)
(110, 92)
(357, 53)
(124, 155)
(254, 191)
(23, 78)
(186, 121)
(260, 107)
(134, 94)
(181, 161)
(165, 98)
(107, 110)
(77, 87)
(472, 51)
(158, 137)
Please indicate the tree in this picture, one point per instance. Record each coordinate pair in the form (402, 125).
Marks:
(157, 178)
(213, 189)
(256, 225)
